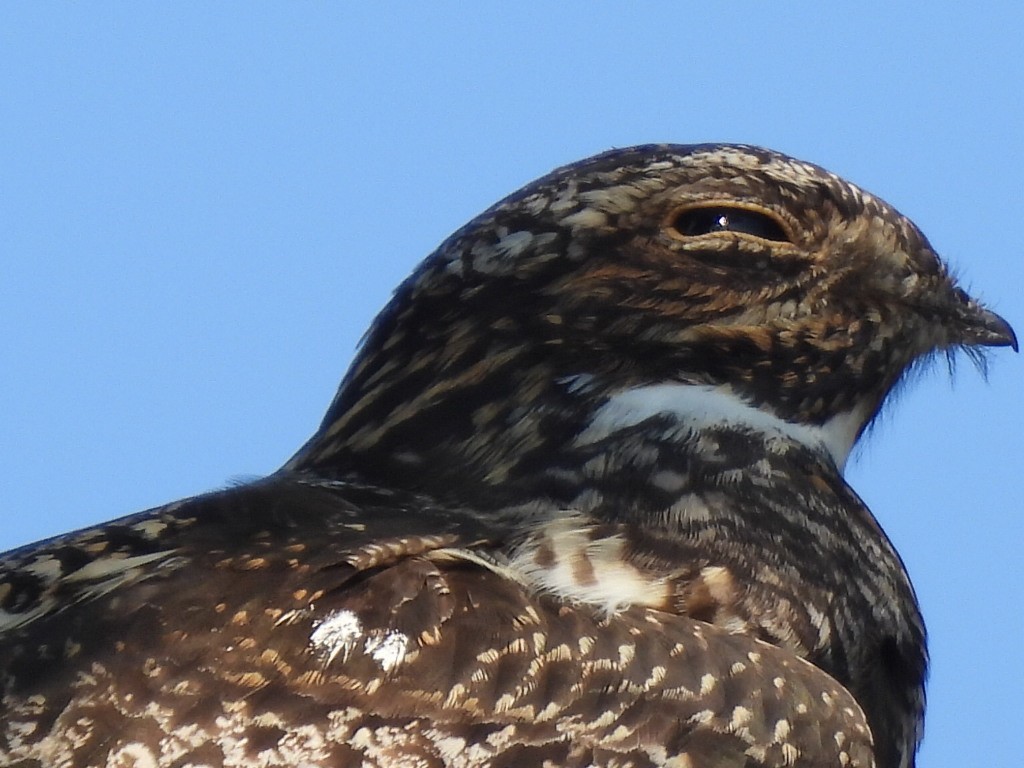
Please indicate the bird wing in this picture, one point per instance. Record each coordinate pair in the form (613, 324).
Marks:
(291, 624)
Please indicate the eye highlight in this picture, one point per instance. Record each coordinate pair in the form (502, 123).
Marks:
(706, 220)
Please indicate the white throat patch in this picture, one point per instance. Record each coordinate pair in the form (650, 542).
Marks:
(696, 406)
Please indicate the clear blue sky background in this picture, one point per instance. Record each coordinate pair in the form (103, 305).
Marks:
(203, 205)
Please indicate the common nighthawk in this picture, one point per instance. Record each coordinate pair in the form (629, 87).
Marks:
(579, 501)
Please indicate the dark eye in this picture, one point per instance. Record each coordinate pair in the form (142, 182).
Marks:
(704, 221)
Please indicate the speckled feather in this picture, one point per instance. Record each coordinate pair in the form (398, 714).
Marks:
(579, 502)
(279, 655)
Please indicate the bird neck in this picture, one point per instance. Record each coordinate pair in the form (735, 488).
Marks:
(516, 436)
(696, 408)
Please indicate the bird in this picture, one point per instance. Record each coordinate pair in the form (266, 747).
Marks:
(578, 501)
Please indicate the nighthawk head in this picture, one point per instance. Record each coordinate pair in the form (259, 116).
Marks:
(774, 289)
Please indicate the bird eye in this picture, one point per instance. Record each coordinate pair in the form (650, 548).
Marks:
(721, 218)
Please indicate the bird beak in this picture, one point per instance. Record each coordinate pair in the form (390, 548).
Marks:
(985, 328)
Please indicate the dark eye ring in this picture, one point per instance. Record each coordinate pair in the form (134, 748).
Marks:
(707, 219)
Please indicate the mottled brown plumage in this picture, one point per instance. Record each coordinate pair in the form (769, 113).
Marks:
(579, 501)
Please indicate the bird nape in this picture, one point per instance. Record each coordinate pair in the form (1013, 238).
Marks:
(579, 501)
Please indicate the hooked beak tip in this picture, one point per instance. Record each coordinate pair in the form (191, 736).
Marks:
(990, 330)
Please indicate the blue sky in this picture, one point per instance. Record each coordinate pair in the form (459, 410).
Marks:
(203, 205)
